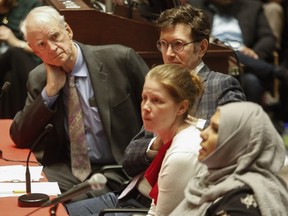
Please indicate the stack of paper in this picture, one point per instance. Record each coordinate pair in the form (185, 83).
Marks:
(12, 181)
(16, 173)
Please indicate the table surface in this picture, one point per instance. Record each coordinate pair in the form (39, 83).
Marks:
(9, 205)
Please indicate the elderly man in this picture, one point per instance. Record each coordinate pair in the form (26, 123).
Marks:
(108, 82)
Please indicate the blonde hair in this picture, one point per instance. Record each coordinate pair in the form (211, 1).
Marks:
(179, 82)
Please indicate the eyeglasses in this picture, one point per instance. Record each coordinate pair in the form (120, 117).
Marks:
(177, 46)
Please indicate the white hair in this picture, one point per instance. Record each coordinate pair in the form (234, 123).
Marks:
(43, 14)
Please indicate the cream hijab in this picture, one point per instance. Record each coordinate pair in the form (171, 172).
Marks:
(249, 151)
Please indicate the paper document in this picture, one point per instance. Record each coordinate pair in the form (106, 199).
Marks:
(18, 189)
(16, 173)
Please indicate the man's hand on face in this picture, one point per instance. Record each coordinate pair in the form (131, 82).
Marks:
(56, 79)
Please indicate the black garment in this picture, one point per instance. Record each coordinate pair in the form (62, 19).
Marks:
(15, 65)
(238, 202)
(257, 35)
(257, 77)
(134, 200)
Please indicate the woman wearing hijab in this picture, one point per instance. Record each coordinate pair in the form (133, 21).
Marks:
(243, 153)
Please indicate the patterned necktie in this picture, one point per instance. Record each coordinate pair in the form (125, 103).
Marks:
(81, 167)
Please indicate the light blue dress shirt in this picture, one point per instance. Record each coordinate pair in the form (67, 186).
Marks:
(98, 147)
(227, 29)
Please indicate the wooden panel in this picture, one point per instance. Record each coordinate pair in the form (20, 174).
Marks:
(219, 57)
(97, 28)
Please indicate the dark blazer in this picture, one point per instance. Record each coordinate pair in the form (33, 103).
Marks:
(255, 28)
(219, 89)
(117, 74)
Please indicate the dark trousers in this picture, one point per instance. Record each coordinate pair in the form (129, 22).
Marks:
(257, 77)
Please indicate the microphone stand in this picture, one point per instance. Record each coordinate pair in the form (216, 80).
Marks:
(53, 210)
(33, 199)
(4, 89)
(96, 182)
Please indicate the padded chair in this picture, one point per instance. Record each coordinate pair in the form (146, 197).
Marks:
(116, 175)
(272, 98)
(115, 183)
(117, 179)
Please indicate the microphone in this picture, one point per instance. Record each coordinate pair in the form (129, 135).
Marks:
(96, 182)
(33, 199)
(5, 88)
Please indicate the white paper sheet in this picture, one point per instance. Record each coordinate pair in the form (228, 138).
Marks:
(16, 173)
(18, 189)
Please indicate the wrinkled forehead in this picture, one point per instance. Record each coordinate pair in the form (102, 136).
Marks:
(48, 27)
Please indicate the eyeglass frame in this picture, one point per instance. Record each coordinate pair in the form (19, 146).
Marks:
(172, 46)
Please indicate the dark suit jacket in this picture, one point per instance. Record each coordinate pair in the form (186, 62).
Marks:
(117, 75)
(255, 28)
(219, 89)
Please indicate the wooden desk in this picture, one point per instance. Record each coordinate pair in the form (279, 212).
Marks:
(9, 205)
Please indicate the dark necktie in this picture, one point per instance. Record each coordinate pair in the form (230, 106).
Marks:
(81, 167)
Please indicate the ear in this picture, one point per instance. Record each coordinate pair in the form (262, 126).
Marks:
(34, 50)
(69, 30)
(203, 47)
(183, 107)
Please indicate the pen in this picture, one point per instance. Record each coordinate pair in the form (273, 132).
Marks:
(13, 192)
(18, 191)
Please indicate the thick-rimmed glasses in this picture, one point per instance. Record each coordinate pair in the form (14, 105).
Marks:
(177, 46)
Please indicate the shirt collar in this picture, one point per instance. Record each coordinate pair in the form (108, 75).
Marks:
(199, 67)
(77, 70)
